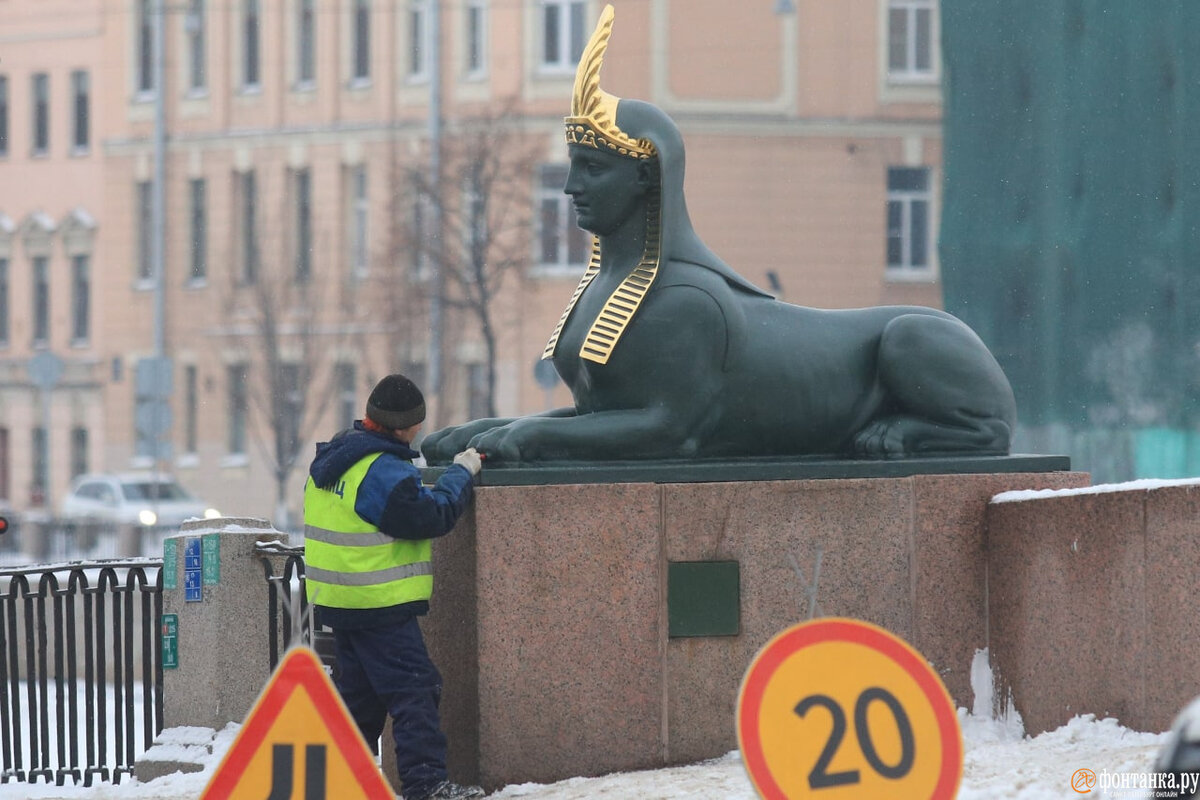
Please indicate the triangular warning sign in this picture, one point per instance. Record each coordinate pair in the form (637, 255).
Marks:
(299, 741)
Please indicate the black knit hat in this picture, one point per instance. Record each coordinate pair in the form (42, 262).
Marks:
(396, 403)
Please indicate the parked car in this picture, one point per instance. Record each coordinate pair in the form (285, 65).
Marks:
(133, 499)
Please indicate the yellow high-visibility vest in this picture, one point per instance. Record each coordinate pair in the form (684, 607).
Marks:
(348, 563)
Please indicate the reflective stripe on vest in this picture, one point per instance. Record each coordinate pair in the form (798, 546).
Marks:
(349, 563)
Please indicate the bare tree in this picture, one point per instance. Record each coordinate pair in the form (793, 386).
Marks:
(290, 319)
(481, 207)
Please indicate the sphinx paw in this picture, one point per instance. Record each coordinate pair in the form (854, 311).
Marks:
(882, 438)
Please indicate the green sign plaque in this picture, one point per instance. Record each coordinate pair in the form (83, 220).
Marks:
(211, 569)
(170, 564)
(170, 641)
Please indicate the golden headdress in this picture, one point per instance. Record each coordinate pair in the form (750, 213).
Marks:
(593, 120)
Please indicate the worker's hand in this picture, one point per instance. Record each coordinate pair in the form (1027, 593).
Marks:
(470, 459)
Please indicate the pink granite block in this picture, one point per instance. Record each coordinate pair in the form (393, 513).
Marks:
(863, 529)
(571, 625)
(950, 566)
(1066, 609)
(1172, 619)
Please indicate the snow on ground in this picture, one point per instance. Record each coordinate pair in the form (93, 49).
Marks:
(1000, 763)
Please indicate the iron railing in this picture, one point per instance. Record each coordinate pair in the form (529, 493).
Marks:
(287, 605)
(81, 669)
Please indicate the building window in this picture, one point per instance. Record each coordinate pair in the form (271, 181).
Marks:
(347, 400)
(304, 233)
(419, 268)
(247, 205)
(41, 301)
(81, 108)
(290, 408)
(474, 38)
(361, 49)
(79, 451)
(910, 39)
(418, 40)
(3, 116)
(5, 321)
(564, 33)
(250, 44)
(199, 215)
(359, 215)
(81, 298)
(477, 394)
(145, 48)
(191, 406)
(196, 26)
(41, 113)
(39, 480)
(908, 220)
(306, 43)
(562, 244)
(145, 206)
(5, 466)
(237, 378)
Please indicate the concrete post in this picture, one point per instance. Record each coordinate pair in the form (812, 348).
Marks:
(213, 583)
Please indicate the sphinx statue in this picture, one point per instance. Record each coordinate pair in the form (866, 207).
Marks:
(671, 354)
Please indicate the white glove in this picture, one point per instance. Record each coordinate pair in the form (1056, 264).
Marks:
(469, 459)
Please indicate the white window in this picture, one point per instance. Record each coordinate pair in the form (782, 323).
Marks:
(196, 27)
(418, 40)
(475, 38)
(358, 217)
(908, 222)
(564, 34)
(360, 71)
(911, 40)
(562, 244)
(306, 43)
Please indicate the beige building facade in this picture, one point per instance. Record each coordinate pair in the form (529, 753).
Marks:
(300, 257)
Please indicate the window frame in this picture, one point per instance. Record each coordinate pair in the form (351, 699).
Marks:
(80, 112)
(475, 50)
(4, 116)
(905, 200)
(360, 43)
(306, 45)
(81, 299)
(5, 301)
(247, 210)
(302, 206)
(39, 296)
(198, 222)
(250, 29)
(237, 378)
(39, 99)
(144, 204)
(571, 35)
(358, 221)
(416, 44)
(551, 178)
(195, 27)
(912, 72)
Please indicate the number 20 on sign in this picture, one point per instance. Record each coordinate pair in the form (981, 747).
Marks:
(836, 709)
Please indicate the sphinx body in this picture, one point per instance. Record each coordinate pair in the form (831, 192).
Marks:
(669, 353)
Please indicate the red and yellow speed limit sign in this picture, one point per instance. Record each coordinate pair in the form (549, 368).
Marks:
(839, 708)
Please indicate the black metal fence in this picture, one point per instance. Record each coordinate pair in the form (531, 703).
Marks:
(287, 606)
(81, 669)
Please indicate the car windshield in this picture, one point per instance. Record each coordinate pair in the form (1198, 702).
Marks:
(154, 490)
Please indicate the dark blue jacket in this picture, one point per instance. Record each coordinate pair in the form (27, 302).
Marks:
(393, 499)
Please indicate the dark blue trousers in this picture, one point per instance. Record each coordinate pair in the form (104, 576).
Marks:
(387, 670)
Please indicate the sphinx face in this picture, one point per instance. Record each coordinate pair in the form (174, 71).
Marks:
(607, 189)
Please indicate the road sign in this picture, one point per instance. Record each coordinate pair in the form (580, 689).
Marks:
(298, 733)
(838, 709)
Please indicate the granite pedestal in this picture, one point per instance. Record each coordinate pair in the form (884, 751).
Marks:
(550, 613)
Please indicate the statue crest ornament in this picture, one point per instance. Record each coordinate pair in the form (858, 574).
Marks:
(670, 354)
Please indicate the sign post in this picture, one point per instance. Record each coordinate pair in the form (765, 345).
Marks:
(838, 709)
